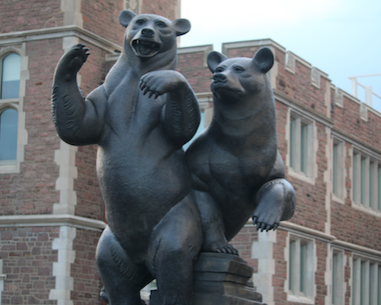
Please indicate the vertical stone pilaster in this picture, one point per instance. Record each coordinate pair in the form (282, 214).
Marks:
(65, 158)
(72, 12)
(264, 252)
(61, 269)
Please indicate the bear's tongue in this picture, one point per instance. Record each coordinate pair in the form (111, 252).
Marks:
(145, 48)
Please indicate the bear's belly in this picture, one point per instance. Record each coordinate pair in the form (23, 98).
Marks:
(140, 184)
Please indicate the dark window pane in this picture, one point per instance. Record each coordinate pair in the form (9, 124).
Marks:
(8, 134)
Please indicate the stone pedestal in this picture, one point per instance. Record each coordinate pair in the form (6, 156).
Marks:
(221, 279)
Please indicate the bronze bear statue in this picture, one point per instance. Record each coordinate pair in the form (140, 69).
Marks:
(236, 169)
(140, 117)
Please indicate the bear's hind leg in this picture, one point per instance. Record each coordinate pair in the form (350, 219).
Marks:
(122, 279)
(212, 225)
(174, 246)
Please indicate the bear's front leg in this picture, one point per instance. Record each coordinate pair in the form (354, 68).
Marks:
(78, 121)
(159, 82)
(276, 202)
(181, 114)
(71, 63)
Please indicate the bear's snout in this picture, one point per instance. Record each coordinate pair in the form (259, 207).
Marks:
(149, 33)
(220, 78)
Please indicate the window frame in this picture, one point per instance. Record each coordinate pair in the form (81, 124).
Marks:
(366, 192)
(305, 169)
(4, 108)
(365, 280)
(13, 166)
(337, 292)
(338, 170)
(294, 293)
(5, 55)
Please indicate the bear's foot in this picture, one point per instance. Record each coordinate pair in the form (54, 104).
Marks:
(218, 245)
(276, 202)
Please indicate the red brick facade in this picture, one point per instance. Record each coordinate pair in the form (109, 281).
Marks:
(51, 208)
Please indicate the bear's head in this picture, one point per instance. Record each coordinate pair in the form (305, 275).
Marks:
(240, 78)
(149, 35)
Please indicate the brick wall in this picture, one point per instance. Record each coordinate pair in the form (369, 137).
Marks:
(102, 18)
(87, 282)
(166, 8)
(28, 263)
(32, 191)
(28, 15)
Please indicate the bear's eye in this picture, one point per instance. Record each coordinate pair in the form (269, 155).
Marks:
(238, 69)
(140, 21)
(161, 24)
(219, 69)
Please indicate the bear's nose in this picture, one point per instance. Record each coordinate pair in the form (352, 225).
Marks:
(148, 33)
(219, 77)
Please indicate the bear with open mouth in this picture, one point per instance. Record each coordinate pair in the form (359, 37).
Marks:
(140, 118)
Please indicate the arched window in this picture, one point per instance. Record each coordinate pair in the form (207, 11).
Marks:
(8, 134)
(10, 76)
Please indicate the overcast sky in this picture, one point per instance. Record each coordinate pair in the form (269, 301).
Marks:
(340, 37)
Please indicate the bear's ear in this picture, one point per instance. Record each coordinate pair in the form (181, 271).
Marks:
(125, 17)
(181, 26)
(214, 59)
(263, 59)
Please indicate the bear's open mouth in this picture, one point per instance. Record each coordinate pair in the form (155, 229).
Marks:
(144, 48)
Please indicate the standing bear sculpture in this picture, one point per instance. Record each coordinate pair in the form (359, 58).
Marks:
(140, 117)
(237, 171)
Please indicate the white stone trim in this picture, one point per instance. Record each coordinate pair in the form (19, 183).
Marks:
(44, 220)
(306, 232)
(263, 251)
(315, 77)
(62, 268)
(72, 12)
(311, 233)
(9, 39)
(339, 97)
(65, 159)
(132, 5)
(328, 180)
(251, 43)
(342, 172)
(289, 62)
(340, 276)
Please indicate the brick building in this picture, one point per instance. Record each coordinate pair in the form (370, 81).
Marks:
(51, 211)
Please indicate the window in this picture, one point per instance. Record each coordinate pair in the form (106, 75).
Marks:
(338, 169)
(337, 291)
(8, 134)
(366, 284)
(10, 76)
(300, 270)
(366, 181)
(301, 150)
(13, 135)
